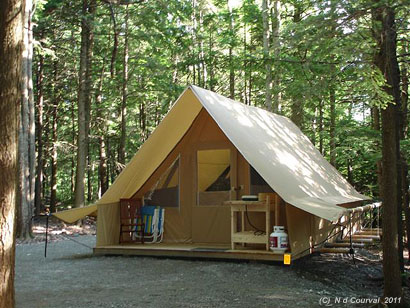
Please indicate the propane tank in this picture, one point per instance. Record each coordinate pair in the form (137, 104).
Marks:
(278, 240)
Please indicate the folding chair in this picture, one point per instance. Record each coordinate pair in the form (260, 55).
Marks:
(153, 219)
(160, 231)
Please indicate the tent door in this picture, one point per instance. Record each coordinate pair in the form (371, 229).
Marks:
(210, 217)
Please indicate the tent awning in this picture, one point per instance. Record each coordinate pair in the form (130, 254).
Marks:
(72, 215)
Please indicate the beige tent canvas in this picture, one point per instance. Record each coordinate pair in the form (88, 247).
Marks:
(210, 150)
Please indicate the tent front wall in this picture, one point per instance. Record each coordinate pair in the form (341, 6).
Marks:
(189, 223)
(108, 229)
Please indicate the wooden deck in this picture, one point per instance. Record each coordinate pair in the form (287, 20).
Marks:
(188, 251)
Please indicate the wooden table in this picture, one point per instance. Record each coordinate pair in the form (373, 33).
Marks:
(248, 236)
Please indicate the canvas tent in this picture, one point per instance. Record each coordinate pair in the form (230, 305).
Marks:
(208, 149)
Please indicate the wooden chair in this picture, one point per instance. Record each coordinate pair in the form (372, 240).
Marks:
(131, 221)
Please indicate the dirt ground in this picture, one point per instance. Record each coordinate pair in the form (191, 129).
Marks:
(71, 276)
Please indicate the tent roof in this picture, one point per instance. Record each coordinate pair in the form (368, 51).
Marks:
(272, 144)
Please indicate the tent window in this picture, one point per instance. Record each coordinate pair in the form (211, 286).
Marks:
(258, 184)
(214, 172)
(165, 192)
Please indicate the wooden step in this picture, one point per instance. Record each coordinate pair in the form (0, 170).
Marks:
(338, 244)
(365, 236)
(358, 240)
(333, 250)
(372, 229)
(369, 232)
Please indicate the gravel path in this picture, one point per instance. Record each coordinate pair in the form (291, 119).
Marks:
(71, 276)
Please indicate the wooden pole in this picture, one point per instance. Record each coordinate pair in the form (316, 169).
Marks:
(364, 208)
(277, 210)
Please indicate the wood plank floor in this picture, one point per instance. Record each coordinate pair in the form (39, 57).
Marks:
(187, 251)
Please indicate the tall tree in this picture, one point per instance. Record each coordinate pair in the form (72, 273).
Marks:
(11, 29)
(276, 24)
(54, 139)
(26, 132)
(297, 105)
(84, 97)
(332, 127)
(102, 126)
(123, 112)
(231, 50)
(386, 60)
(266, 54)
(404, 136)
(39, 134)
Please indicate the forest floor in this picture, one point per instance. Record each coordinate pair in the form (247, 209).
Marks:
(71, 276)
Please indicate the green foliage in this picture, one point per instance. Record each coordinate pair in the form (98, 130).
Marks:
(324, 45)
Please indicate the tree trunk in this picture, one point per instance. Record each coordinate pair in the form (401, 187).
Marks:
(39, 134)
(321, 126)
(332, 127)
(403, 136)
(102, 166)
(391, 265)
(121, 149)
(11, 29)
(314, 127)
(211, 79)
(231, 61)
(142, 121)
(194, 44)
(90, 170)
(54, 139)
(386, 60)
(47, 146)
(266, 55)
(276, 24)
(84, 84)
(297, 113)
(74, 141)
(349, 170)
(32, 121)
(201, 50)
(404, 99)
(102, 171)
(245, 66)
(26, 144)
(376, 126)
(406, 198)
(297, 104)
(111, 170)
(250, 87)
(115, 44)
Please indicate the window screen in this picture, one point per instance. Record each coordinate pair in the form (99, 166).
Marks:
(165, 192)
(258, 184)
(214, 172)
